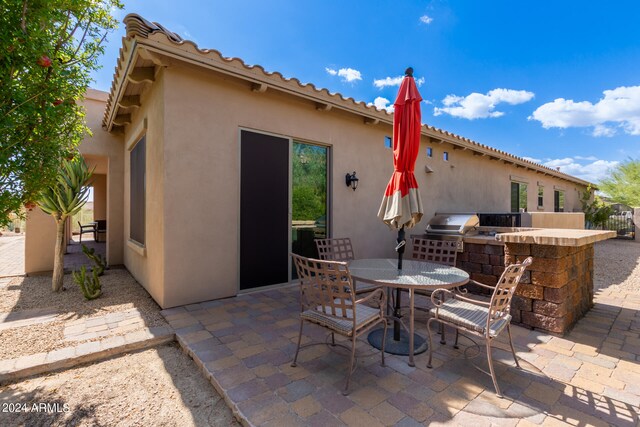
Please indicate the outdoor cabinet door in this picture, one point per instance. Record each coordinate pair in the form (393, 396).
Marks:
(264, 210)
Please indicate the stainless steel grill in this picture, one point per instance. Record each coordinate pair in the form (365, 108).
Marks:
(452, 226)
(455, 224)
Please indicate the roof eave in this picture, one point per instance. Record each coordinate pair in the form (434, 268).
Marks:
(153, 40)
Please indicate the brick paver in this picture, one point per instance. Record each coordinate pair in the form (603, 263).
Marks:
(580, 379)
(102, 326)
(11, 254)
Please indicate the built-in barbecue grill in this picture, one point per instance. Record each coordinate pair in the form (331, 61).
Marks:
(452, 226)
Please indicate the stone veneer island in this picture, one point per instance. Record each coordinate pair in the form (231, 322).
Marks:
(558, 287)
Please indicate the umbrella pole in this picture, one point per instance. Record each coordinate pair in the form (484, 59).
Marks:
(400, 247)
(396, 310)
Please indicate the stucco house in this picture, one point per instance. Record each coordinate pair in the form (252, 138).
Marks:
(201, 167)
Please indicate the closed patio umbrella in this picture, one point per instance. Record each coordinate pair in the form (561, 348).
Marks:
(401, 205)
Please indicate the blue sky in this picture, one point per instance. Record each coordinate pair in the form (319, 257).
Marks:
(556, 82)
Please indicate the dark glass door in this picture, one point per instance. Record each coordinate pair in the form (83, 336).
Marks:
(264, 210)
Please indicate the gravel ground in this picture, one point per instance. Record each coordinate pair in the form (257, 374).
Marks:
(33, 339)
(158, 387)
(120, 293)
(617, 264)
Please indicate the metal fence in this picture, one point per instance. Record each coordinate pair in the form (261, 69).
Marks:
(622, 224)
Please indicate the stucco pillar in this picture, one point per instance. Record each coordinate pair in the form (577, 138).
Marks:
(40, 240)
(99, 197)
(636, 221)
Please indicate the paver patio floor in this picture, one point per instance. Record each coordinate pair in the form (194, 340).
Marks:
(245, 345)
(11, 254)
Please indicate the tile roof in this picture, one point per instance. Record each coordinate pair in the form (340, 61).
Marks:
(139, 29)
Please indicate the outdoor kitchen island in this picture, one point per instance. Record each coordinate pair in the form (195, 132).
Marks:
(558, 289)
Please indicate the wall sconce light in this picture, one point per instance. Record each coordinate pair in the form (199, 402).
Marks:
(352, 180)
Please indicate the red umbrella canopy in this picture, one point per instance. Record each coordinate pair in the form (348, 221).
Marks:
(401, 205)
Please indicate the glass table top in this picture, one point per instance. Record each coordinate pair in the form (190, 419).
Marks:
(414, 274)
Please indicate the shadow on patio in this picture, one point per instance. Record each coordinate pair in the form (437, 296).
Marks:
(75, 258)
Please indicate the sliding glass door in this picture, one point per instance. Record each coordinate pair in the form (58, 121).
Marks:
(283, 205)
(308, 197)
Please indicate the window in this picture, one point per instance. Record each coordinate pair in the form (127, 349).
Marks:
(445, 156)
(540, 197)
(387, 141)
(429, 152)
(518, 196)
(558, 201)
(137, 157)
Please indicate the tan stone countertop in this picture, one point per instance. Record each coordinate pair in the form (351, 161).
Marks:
(556, 236)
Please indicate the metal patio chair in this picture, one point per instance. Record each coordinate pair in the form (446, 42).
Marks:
(484, 319)
(443, 252)
(87, 229)
(340, 249)
(327, 299)
(439, 251)
(101, 228)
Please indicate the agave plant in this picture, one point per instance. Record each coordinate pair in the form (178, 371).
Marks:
(63, 199)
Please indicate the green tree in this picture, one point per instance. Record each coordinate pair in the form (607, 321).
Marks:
(48, 49)
(596, 212)
(64, 199)
(310, 181)
(623, 184)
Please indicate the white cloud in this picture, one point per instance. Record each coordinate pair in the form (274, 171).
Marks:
(479, 106)
(387, 81)
(347, 74)
(594, 171)
(602, 130)
(382, 104)
(394, 81)
(617, 109)
(425, 19)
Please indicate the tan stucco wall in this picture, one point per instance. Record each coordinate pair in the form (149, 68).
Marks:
(202, 170)
(571, 220)
(147, 264)
(203, 115)
(99, 196)
(40, 242)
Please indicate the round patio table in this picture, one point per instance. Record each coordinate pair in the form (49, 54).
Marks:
(415, 275)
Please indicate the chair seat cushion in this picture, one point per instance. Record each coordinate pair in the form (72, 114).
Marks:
(469, 316)
(344, 326)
